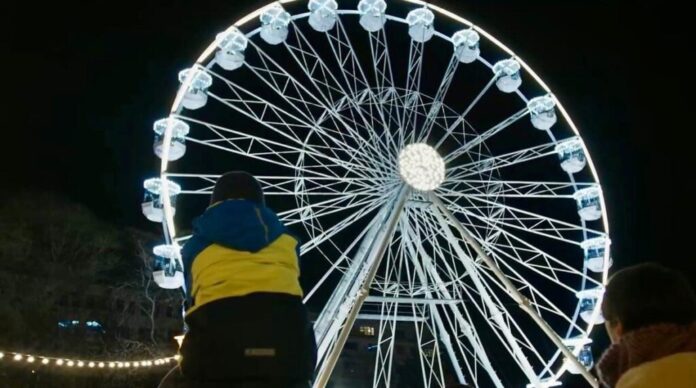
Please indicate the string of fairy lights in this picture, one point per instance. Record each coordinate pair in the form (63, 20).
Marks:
(63, 362)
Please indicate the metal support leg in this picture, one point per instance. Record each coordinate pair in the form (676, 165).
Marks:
(524, 303)
(369, 270)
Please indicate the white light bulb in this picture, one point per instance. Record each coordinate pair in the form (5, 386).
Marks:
(30, 359)
(111, 365)
(59, 362)
(17, 357)
(80, 364)
(45, 361)
(101, 364)
(91, 364)
(71, 363)
(421, 167)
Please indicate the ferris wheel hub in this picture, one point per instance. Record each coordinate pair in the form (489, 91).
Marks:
(421, 167)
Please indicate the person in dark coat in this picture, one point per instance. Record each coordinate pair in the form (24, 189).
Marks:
(247, 325)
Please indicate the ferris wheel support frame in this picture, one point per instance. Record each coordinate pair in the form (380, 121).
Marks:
(373, 263)
(444, 215)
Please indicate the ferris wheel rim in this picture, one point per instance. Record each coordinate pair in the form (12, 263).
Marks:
(176, 106)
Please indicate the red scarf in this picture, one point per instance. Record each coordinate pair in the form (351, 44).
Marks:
(644, 345)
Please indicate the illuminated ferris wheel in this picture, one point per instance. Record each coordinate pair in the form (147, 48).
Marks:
(438, 181)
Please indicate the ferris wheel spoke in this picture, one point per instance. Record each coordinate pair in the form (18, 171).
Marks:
(339, 42)
(434, 111)
(385, 345)
(430, 231)
(287, 87)
(316, 69)
(462, 117)
(381, 60)
(460, 121)
(328, 233)
(527, 221)
(274, 118)
(282, 122)
(320, 75)
(412, 97)
(335, 204)
(537, 258)
(453, 126)
(522, 220)
(264, 149)
(321, 186)
(509, 251)
(304, 95)
(305, 110)
(261, 158)
(542, 304)
(346, 251)
(507, 329)
(543, 307)
(481, 138)
(342, 40)
(520, 335)
(311, 213)
(282, 185)
(538, 227)
(512, 189)
(384, 78)
(506, 160)
(346, 56)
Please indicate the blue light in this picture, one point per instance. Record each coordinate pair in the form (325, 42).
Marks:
(66, 323)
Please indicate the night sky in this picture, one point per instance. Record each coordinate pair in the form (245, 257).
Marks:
(86, 82)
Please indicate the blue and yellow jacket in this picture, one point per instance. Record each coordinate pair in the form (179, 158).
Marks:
(238, 248)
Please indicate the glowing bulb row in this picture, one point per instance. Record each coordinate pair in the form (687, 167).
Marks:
(64, 362)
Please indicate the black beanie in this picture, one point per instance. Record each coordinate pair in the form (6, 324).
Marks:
(237, 185)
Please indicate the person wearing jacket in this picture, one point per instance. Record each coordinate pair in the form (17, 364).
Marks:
(247, 325)
(650, 315)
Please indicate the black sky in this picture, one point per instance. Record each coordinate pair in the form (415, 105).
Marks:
(84, 82)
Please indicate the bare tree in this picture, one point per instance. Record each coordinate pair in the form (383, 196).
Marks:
(60, 263)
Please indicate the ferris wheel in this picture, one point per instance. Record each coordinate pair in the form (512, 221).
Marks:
(437, 180)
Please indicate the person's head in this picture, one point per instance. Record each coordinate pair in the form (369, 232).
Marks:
(237, 185)
(645, 295)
